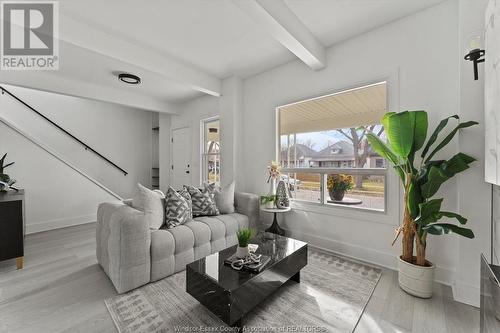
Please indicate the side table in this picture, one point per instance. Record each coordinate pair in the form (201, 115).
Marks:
(275, 227)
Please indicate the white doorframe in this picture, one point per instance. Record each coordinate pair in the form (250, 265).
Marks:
(172, 130)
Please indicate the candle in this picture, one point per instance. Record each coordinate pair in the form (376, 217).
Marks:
(475, 43)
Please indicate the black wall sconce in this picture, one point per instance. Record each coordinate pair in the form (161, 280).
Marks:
(476, 57)
(476, 54)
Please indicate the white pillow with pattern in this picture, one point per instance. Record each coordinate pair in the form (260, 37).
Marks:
(203, 201)
(177, 208)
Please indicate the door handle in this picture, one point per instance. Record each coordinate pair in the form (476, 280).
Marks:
(187, 171)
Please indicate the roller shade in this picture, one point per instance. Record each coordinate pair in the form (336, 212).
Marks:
(350, 108)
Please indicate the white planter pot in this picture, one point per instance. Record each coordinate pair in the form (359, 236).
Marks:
(416, 280)
(242, 252)
(269, 205)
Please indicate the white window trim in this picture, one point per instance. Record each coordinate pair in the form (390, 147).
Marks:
(392, 191)
(202, 146)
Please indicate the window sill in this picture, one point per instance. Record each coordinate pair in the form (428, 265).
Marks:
(349, 212)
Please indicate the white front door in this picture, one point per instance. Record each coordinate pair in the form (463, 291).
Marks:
(181, 157)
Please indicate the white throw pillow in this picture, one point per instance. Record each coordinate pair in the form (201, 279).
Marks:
(151, 203)
(224, 198)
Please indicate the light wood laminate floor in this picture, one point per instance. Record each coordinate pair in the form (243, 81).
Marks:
(62, 289)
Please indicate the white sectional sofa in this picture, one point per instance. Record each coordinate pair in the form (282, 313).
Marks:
(132, 255)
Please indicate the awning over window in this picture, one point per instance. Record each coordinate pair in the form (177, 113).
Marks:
(350, 108)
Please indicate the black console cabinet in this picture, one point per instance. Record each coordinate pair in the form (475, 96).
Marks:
(12, 227)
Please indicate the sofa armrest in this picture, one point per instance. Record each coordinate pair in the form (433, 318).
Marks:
(248, 204)
(124, 242)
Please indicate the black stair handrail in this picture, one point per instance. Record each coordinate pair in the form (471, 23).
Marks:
(87, 147)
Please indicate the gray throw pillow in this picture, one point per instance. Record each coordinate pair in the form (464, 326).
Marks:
(203, 201)
(151, 203)
(224, 198)
(185, 194)
(177, 209)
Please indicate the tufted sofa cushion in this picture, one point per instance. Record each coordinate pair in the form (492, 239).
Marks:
(172, 249)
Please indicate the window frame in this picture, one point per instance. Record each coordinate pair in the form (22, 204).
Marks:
(392, 189)
(203, 153)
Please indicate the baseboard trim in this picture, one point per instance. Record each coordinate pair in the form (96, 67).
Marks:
(378, 258)
(466, 293)
(35, 227)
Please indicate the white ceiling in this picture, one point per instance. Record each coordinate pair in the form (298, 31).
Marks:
(208, 39)
(332, 21)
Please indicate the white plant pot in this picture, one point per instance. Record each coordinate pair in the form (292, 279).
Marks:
(242, 252)
(269, 205)
(416, 280)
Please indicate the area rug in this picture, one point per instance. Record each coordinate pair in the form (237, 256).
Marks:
(330, 297)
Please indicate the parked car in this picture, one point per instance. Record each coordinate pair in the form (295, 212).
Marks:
(292, 182)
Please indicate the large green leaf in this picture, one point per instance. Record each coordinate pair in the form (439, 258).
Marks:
(428, 209)
(450, 136)
(423, 174)
(433, 137)
(382, 148)
(385, 120)
(456, 164)
(434, 173)
(400, 133)
(435, 178)
(451, 215)
(420, 130)
(446, 228)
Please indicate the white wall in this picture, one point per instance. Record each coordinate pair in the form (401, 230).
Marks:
(120, 133)
(56, 195)
(164, 147)
(418, 54)
(474, 195)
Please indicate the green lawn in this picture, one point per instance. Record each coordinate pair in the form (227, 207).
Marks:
(369, 187)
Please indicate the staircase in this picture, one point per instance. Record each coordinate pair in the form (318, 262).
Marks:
(65, 175)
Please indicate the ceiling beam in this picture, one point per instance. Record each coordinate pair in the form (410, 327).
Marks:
(47, 81)
(85, 35)
(277, 19)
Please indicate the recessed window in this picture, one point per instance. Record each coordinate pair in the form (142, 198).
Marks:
(210, 155)
(324, 150)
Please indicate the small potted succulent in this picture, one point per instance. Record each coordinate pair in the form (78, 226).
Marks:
(268, 201)
(244, 236)
(5, 181)
(337, 186)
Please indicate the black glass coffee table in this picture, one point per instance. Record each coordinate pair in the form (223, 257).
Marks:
(230, 294)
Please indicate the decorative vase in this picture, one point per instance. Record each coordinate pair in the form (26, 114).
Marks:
(282, 200)
(416, 280)
(336, 195)
(272, 186)
(242, 252)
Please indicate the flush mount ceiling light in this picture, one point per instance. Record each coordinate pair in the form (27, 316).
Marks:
(129, 78)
